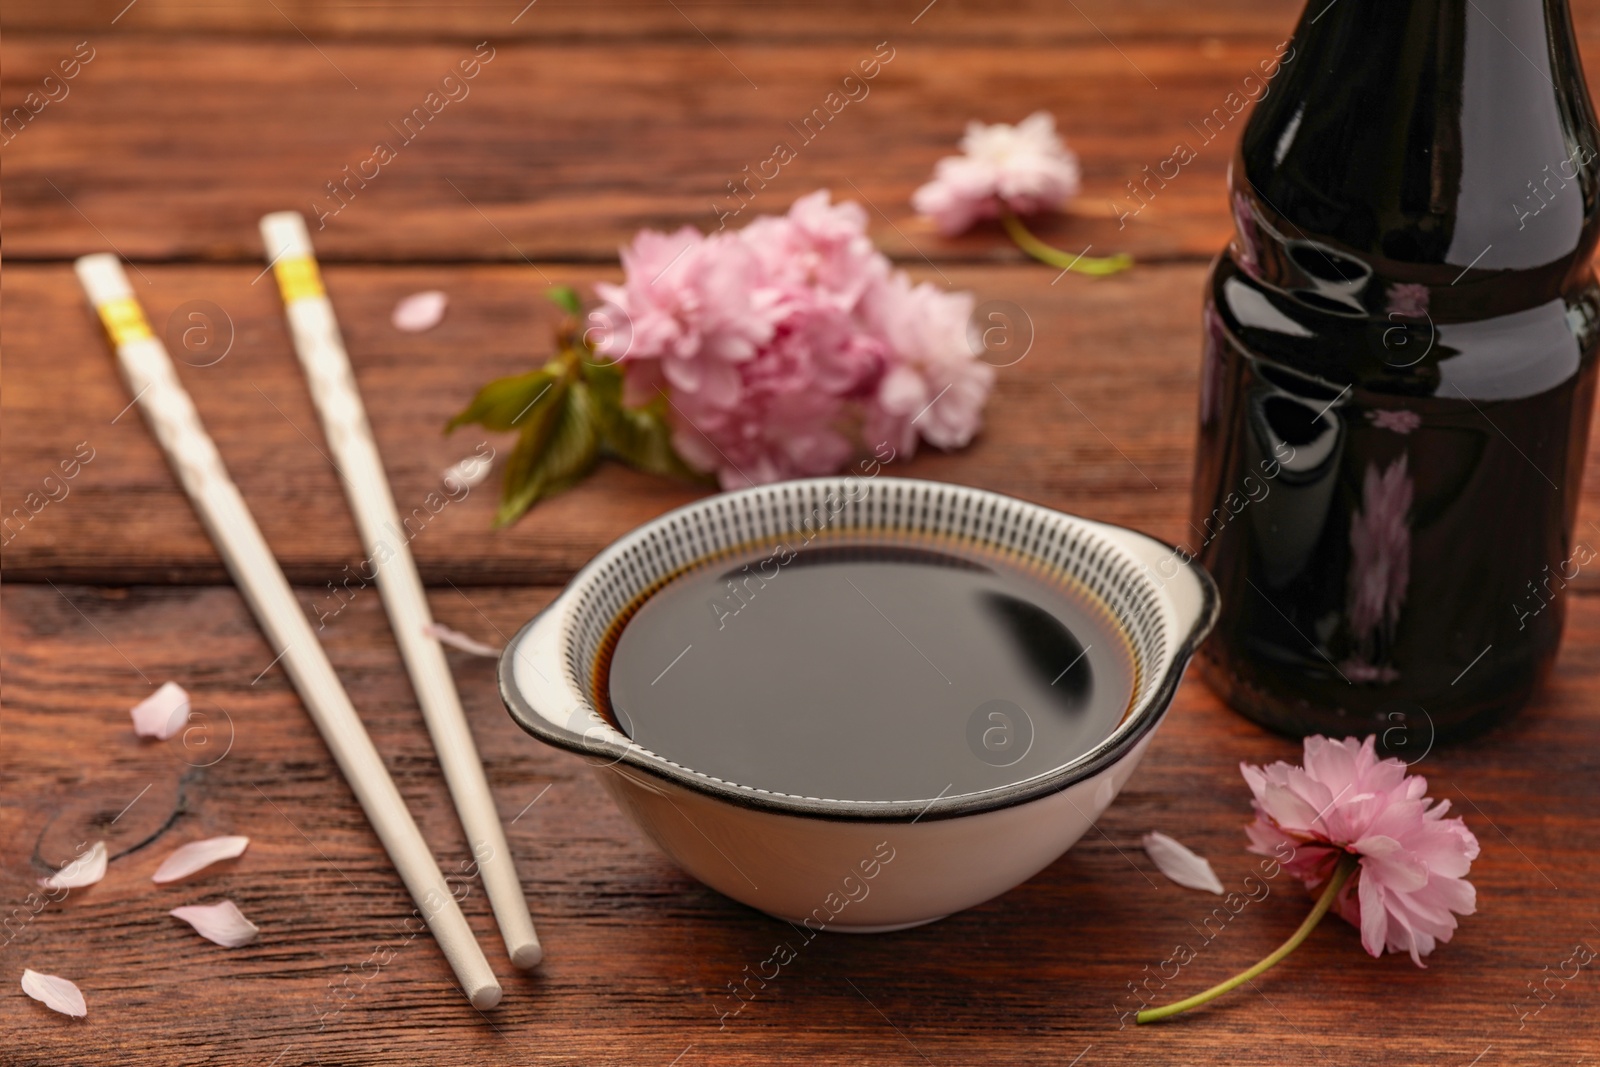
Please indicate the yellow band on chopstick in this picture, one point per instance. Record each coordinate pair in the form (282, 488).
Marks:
(298, 278)
(124, 321)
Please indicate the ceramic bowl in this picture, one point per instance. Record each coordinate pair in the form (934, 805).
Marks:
(839, 864)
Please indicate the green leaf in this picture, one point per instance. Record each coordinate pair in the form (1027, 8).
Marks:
(605, 382)
(642, 438)
(522, 463)
(507, 403)
(566, 298)
(554, 453)
(605, 379)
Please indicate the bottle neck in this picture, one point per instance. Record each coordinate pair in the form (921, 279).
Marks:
(1428, 142)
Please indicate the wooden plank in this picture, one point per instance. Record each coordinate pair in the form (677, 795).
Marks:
(124, 518)
(173, 148)
(994, 22)
(1125, 350)
(639, 956)
(694, 22)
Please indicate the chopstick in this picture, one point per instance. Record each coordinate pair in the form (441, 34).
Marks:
(176, 424)
(387, 544)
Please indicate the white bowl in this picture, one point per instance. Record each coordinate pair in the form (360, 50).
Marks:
(851, 865)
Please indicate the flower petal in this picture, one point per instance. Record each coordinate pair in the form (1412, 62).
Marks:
(1180, 864)
(1289, 809)
(1373, 914)
(466, 474)
(221, 922)
(419, 311)
(1387, 860)
(456, 639)
(162, 713)
(198, 855)
(87, 869)
(57, 994)
(1336, 764)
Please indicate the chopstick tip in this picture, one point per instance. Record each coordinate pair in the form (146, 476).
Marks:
(527, 955)
(486, 996)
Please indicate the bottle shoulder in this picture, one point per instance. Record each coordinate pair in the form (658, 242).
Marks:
(1412, 344)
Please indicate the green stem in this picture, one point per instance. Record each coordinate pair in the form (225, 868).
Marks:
(1341, 875)
(1095, 265)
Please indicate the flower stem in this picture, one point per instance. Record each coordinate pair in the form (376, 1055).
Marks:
(1095, 265)
(1341, 874)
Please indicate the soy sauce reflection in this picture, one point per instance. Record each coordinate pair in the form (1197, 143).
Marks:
(1049, 650)
(870, 669)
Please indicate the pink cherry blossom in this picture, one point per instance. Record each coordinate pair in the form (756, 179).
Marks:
(821, 247)
(935, 387)
(785, 347)
(1411, 880)
(696, 304)
(1026, 167)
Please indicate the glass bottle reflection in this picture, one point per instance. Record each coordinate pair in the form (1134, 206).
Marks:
(1398, 371)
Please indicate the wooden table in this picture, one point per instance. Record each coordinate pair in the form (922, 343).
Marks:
(588, 122)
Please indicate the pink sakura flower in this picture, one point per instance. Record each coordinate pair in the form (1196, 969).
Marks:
(1025, 167)
(772, 342)
(696, 304)
(1006, 172)
(935, 387)
(819, 248)
(1410, 882)
(769, 438)
(1384, 856)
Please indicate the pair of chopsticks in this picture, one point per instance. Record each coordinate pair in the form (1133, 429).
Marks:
(176, 424)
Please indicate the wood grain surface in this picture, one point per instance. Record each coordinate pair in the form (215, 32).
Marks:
(1095, 397)
(639, 955)
(1081, 347)
(591, 121)
(562, 151)
(968, 21)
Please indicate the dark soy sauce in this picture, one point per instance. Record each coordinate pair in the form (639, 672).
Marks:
(869, 667)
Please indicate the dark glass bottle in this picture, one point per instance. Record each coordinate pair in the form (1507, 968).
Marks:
(1399, 367)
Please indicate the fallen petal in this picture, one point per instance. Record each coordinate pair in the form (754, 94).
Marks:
(419, 311)
(57, 994)
(466, 474)
(198, 855)
(455, 639)
(87, 869)
(162, 713)
(221, 922)
(1181, 865)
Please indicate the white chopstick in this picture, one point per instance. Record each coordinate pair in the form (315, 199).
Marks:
(355, 453)
(176, 425)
